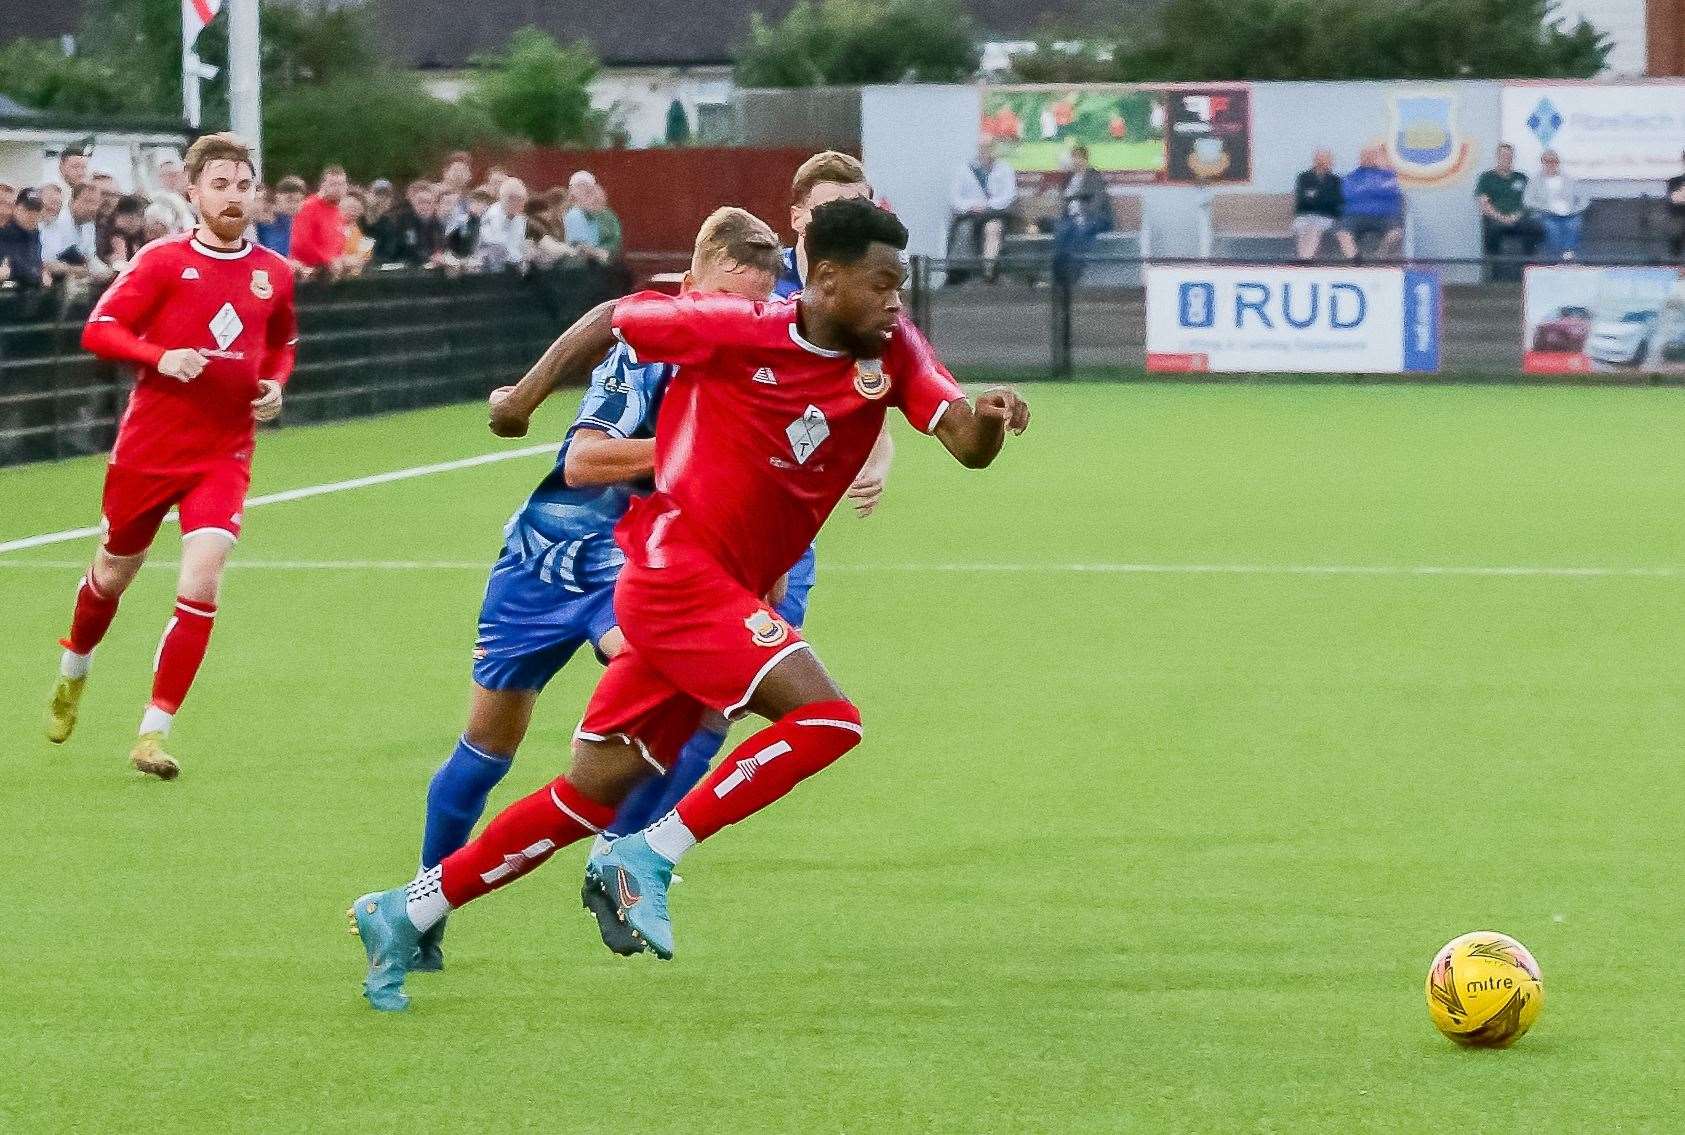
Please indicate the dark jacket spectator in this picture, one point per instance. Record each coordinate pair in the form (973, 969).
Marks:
(122, 237)
(1086, 212)
(1319, 200)
(415, 235)
(1502, 192)
(20, 242)
(465, 237)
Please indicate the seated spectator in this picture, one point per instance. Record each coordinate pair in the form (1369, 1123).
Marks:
(357, 245)
(984, 193)
(172, 195)
(416, 238)
(318, 231)
(1502, 192)
(57, 229)
(1086, 213)
(1558, 203)
(454, 185)
(464, 240)
(154, 224)
(1676, 212)
(1318, 201)
(495, 177)
(1373, 206)
(503, 229)
(123, 234)
(590, 225)
(20, 243)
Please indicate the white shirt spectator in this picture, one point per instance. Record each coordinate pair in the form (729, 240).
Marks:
(503, 238)
(61, 234)
(1556, 194)
(992, 188)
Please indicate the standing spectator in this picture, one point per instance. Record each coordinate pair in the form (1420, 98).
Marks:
(416, 237)
(109, 194)
(590, 225)
(984, 194)
(20, 243)
(503, 230)
(377, 215)
(277, 233)
(1373, 206)
(464, 241)
(1502, 193)
(59, 228)
(52, 209)
(1087, 213)
(357, 246)
(1676, 212)
(318, 232)
(73, 166)
(172, 195)
(1558, 204)
(454, 185)
(495, 177)
(1318, 201)
(122, 238)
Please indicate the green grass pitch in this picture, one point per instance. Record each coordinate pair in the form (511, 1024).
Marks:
(1124, 850)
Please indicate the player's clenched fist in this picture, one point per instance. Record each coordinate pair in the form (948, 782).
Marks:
(506, 420)
(1004, 405)
(183, 364)
(266, 407)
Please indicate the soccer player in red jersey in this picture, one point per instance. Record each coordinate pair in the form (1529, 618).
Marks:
(769, 417)
(207, 319)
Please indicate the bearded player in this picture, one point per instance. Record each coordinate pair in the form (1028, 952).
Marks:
(207, 320)
(746, 472)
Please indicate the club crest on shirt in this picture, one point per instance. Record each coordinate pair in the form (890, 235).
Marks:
(261, 287)
(766, 628)
(870, 380)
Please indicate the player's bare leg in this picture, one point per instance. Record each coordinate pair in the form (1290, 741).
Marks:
(204, 556)
(96, 605)
(813, 724)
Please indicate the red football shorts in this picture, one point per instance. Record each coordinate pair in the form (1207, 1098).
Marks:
(210, 500)
(695, 638)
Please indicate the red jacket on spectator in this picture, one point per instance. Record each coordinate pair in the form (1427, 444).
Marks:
(318, 233)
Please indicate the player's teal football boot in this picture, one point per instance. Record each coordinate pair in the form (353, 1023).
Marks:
(635, 879)
(389, 938)
(430, 950)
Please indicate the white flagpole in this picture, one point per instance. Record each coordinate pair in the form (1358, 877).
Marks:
(245, 77)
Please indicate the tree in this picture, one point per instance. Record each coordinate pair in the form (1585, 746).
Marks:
(37, 73)
(860, 41)
(678, 124)
(539, 90)
(383, 124)
(1188, 40)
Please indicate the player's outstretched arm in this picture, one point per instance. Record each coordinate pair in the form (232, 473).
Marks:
(975, 432)
(571, 356)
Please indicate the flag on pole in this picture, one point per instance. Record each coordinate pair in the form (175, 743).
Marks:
(195, 14)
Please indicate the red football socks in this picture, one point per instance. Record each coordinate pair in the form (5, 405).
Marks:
(180, 653)
(519, 838)
(94, 612)
(769, 764)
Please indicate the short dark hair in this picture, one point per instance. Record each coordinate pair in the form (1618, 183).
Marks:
(292, 183)
(131, 204)
(841, 231)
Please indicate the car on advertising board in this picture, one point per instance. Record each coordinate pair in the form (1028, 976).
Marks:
(1623, 341)
(1565, 331)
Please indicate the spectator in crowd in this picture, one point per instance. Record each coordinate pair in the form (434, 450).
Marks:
(1502, 194)
(155, 224)
(8, 200)
(495, 177)
(1558, 204)
(1676, 212)
(1372, 206)
(454, 185)
(357, 245)
(172, 195)
(318, 231)
(377, 216)
(52, 206)
(1086, 213)
(20, 243)
(122, 237)
(984, 193)
(1318, 201)
(503, 229)
(59, 229)
(289, 197)
(415, 238)
(77, 221)
(109, 192)
(73, 166)
(590, 225)
(464, 241)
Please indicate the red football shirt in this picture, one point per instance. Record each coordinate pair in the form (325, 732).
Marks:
(318, 233)
(235, 307)
(760, 431)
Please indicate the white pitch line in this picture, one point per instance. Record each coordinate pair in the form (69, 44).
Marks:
(1393, 570)
(308, 491)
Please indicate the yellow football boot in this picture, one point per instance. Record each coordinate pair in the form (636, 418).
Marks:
(61, 713)
(149, 757)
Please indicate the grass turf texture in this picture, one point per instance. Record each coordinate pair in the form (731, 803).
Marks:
(1121, 852)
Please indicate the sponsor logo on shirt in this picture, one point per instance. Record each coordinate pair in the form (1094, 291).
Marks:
(226, 326)
(807, 433)
(766, 629)
(870, 380)
(261, 287)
